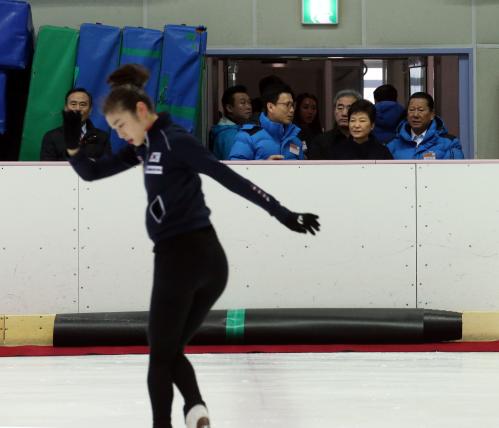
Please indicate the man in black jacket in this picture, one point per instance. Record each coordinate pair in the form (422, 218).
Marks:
(325, 146)
(94, 142)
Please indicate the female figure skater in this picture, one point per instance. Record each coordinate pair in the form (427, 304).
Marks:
(190, 268)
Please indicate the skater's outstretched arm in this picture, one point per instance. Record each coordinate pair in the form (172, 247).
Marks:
(90, 169)
(192, 153)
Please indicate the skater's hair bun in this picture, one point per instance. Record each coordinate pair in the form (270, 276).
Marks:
(129, 74)
(127, 89)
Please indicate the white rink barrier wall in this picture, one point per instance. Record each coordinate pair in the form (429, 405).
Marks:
(394, 235)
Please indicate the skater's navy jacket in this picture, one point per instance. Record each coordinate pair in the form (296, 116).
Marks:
(172, 159)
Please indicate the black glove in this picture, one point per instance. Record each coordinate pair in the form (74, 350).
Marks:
(302, 223)
(89, 139)
(72, 128)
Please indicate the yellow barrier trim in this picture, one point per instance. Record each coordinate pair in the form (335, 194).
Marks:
(29, 330)
(480, 326)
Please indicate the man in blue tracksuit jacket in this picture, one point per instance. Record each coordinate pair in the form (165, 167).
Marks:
(388, 116)
(275, 137)
(423, 135)
(389, 113)
(236, 104)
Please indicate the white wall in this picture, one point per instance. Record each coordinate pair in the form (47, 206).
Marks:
(393, 235)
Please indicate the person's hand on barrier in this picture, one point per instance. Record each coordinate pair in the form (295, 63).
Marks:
(302, 223)
(275, 157)
(72, 130)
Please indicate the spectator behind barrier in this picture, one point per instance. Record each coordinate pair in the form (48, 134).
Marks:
(323, 146)
(236, 105)
(276, 137)
(263, 84)
(362, 143)
(93, 142)
(307, 118)
(424, 135)
(389, 113)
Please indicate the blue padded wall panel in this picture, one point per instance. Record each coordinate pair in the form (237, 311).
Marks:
(181, 69)
(141, 46)
(16, 34)
(98, 56)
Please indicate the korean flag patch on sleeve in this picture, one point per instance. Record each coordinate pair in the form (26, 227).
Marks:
(155, 157)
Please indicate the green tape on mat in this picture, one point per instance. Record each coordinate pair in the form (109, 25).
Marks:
(143, 53)
(234, 326)
(181, 111)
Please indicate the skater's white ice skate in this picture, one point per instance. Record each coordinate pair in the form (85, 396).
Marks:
(197, 417)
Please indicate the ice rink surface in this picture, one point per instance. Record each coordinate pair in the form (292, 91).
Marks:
(334, 390)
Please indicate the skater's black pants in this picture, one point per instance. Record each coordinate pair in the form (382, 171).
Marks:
(190, 273)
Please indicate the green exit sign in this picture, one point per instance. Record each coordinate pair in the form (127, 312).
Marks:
(319, 11)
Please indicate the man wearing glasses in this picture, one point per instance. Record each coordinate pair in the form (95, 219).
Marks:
(93, 141)
(275, 137)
